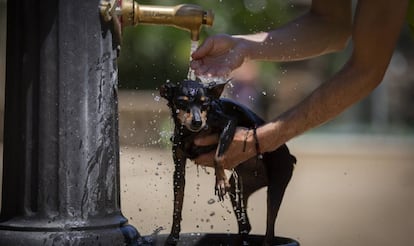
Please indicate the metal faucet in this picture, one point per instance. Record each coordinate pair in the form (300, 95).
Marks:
(184, 16)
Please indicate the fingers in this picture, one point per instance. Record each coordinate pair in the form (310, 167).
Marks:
(206, 140)
(212, 66)
(204, 49)
(236, 153)
(205, 159)
(199, 67)
(214, 57)
(221, 71)
(210, 70)
(208, 158)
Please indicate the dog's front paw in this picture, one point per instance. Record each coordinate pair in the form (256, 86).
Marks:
(222, 186)
(171, 240)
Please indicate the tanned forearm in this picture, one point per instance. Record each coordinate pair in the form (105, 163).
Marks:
(325, 103)
(315, 33)
(324, 29)
(374, 41)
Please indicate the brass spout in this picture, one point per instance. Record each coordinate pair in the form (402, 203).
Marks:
(184, 16)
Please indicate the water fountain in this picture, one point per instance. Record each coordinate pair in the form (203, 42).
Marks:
(61, 149)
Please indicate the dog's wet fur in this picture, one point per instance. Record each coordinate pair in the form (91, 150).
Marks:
(197, 109)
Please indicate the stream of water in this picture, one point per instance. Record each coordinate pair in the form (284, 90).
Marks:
(191, 73)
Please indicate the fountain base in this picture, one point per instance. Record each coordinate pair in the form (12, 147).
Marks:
(213, 239)
(119, 236)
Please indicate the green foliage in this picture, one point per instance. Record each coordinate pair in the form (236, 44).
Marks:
(151, 54)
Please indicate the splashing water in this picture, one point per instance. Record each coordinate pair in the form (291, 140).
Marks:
(238, 197)
(204, 79)
(151, 239)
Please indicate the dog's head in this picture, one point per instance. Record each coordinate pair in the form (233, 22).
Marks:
(190, 101)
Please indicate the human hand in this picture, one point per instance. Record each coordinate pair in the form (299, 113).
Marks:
(241, 149)
(218, 56)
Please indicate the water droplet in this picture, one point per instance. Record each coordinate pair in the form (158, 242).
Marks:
(211, 201)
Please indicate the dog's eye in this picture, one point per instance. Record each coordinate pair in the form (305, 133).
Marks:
(204, 99)
(182, 102)
(183, 98)
(205, 102)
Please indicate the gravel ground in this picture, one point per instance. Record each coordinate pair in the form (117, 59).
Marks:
(345, 191)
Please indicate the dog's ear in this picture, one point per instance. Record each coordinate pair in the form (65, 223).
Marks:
(166, 91)
(216, 88)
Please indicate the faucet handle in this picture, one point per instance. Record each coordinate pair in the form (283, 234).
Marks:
(107, 9)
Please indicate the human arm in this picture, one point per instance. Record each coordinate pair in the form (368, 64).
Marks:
(324, 29)
(375, 32)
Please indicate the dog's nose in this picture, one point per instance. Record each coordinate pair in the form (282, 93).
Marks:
(196, 122)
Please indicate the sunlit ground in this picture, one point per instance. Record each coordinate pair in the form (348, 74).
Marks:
(346, 190)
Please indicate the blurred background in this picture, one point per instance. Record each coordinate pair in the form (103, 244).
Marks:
(354, 179)
(152, 55)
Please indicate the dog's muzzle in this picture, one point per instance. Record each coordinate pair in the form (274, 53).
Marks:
(197, 122)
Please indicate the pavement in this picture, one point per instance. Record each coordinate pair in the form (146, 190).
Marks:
(346, 190)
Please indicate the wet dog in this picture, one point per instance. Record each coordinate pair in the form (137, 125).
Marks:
(197, 109)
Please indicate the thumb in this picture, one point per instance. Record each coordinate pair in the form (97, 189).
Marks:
(203, 49)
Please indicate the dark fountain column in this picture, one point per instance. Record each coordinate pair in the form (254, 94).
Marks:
(61, 151)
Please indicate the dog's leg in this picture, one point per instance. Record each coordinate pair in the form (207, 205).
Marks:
(179, 183)
(226, 136)
(279, 166)
(222, 184)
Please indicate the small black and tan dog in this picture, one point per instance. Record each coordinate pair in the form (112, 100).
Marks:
(198, 109)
